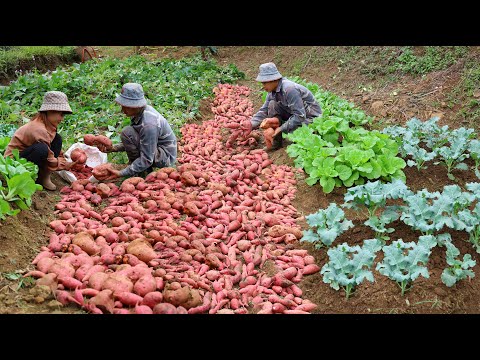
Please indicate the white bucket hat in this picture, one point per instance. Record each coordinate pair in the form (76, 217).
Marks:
(132, 96)
(268, 72)
(55, 100)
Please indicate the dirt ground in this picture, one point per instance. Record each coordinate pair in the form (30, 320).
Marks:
(390, 102)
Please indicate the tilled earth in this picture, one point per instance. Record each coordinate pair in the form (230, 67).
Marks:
(22, 236)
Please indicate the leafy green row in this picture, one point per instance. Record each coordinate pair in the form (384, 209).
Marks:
(349, 266)
(173, 87)
(17, 183)
(424, 141)
(424, 211)
(427, 212)
(336, 150)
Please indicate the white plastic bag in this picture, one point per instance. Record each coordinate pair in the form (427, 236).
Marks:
(94, 158)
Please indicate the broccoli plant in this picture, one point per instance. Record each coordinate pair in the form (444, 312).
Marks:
(418, 154)
(434, 136)
(348, 266)
(328, 224)
(430, 212)
(452, 156)
(458, 269)
(378, 223)
(474, 150)
(404, 262)
(374, 195)
(470, 220)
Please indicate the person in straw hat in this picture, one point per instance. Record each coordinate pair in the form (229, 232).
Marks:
(288, 105)
(148, 140)
(38, 140)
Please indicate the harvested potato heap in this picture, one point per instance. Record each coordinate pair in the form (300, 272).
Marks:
(81, 170)
(198, 238)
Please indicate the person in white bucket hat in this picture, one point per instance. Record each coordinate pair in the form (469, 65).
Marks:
(148, 140)
(38, 140)
(288, 105)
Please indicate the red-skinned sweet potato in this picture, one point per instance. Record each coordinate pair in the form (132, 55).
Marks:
(144, 285)
(164, 308)
(152, 298)
(79, 156)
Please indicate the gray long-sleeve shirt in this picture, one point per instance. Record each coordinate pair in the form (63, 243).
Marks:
(298, 102)
(158, 143)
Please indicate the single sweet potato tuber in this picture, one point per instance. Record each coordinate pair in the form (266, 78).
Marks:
(79, 156)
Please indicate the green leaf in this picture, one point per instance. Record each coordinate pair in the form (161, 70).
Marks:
(448, 278)
(461, 166)
(365, 168)
(22, 185)
(328, 184)
(310, 236)
(311, 180)
(21, 204)
(349, 182)
(344, 172)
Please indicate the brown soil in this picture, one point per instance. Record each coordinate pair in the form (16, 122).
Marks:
(395, 102)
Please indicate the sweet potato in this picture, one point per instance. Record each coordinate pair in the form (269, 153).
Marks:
(176, 297)
(103, 190)
(143, 309)
(152, 298)
(64, 297)
(94, 140)
(102, 171)
(70, 282)
(85, 241)
(310, 269)
(204, 307)
(270, 123)
(79, 156)
(118, 283)
(194, 301)
(306, 306)
(128, 298)
(189, 208)
(164, 308)
(35, 274)
(142, 249)
(182, 296)
(62, 269)
(97, 279)
(49, 280)
(268, 136)
(103, 300)
(92, 270)
(44, 264)
(89, 139)
(188, 179)
(144, 285)
(280, 230)
(103, 140)
(271, 220)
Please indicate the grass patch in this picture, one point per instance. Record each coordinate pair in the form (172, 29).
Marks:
(429, 58)
(119, 52)
(12, 57)
(465, 94)
(374, 61)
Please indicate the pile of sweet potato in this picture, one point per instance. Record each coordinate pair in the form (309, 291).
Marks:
(80, 169)
(196, 238)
